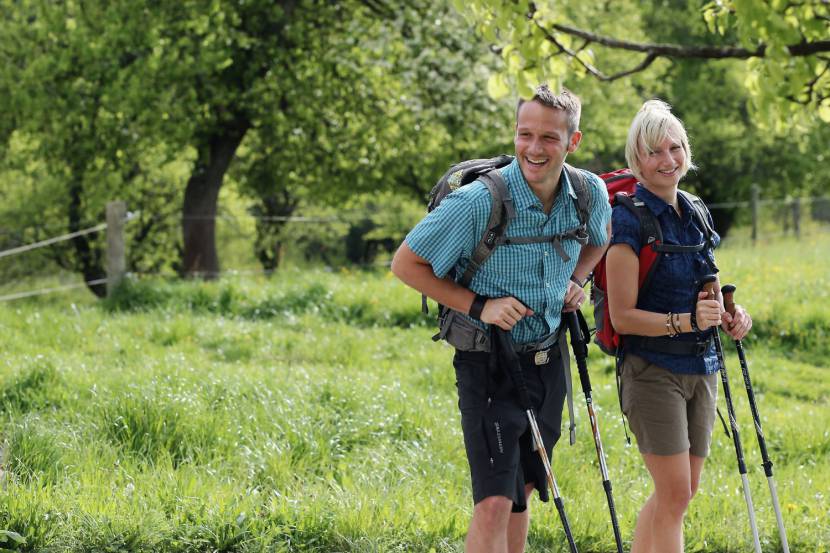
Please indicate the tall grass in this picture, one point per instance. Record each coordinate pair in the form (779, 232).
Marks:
(312, 412)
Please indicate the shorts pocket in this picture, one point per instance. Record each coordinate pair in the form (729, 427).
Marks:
(633, 366)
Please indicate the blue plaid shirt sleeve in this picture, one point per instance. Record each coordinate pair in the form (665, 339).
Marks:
(451, 231)
(600, 211)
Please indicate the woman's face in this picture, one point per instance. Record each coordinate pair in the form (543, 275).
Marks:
(663, 166)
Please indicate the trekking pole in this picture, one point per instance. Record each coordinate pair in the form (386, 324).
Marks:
(505, 343)
(707, 284)
(729, 304)
(580, 349)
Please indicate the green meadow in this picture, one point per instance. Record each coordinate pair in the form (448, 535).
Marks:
(311, 412)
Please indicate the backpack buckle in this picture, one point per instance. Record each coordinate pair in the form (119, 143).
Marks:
(490, 239)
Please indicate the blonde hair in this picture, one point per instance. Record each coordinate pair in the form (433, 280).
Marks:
(652, 124)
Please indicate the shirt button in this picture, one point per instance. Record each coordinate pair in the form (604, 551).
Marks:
(547, 284)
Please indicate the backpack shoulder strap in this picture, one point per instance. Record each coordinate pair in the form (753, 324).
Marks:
(579, 181)
(502, 212)
(701, 214)
(650, 230)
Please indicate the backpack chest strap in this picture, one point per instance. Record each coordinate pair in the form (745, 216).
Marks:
(578, 234)
(674, 248)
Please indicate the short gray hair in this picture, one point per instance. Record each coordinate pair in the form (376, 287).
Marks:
(566, 100)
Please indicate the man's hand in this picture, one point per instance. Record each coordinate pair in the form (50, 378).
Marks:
(574, 297)
(504, 312)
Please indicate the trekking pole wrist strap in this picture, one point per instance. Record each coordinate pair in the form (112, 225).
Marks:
(693, 321)
(477, 307)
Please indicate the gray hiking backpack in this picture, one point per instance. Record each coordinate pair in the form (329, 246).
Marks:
(502, 212)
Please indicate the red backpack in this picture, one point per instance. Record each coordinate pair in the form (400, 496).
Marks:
(621, 185)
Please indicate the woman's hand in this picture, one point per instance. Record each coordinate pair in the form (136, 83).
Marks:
(737, 325)
(708, 312)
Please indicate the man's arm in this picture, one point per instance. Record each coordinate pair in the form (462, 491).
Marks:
(588, 258)
(415, 271)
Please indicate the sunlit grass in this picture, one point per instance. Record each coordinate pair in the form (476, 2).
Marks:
(312, 412)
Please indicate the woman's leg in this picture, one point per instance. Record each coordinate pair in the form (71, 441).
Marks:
(660, 523)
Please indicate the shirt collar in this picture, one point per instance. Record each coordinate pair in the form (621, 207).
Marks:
(655, 203)
(658, 206)
(523, 195)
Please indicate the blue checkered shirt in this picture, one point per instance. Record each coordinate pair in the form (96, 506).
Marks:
(532, 273)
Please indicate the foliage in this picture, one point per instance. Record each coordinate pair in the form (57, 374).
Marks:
(785, 42)
(149, 103)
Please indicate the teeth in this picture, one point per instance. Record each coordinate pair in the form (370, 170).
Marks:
(539, 161)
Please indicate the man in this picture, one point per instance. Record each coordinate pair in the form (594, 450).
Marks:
(521, 288)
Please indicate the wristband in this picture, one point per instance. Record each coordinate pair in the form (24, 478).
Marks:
(477, 307)
(579, 283)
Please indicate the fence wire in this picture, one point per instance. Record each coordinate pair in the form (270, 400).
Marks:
(324, 239)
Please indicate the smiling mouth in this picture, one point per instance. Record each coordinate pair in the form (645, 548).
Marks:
(536, 162)
(668, 172)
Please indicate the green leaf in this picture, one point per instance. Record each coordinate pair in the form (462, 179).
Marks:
(497, 86)
(13, 535)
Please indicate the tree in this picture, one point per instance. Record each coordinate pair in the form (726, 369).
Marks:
(408, 101)
(73, 78)
(321, 100)
(785, 45)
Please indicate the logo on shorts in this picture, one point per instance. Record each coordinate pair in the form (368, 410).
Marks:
(498, 437)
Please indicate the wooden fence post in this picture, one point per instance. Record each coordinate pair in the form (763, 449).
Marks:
(755, 200)
(116, 261)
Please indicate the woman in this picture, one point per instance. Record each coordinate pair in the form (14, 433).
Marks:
(668, 388)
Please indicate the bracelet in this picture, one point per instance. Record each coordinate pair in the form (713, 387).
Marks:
(693, 322)
(668, 324)
(477, 307)
(579, 283)
(675, 324)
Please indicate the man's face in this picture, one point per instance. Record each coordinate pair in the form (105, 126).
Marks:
(542, 143)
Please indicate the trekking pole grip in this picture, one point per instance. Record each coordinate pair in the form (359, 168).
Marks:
(728, 291)
(707, 284)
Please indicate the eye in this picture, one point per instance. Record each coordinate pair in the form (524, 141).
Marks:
(675, 148)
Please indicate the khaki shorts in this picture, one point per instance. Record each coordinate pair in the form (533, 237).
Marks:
(668, 413)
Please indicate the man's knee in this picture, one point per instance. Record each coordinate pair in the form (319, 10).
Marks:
(493, 511)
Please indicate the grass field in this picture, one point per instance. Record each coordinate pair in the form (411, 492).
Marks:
(312, 413)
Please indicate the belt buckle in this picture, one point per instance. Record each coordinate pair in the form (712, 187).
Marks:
(541, 357)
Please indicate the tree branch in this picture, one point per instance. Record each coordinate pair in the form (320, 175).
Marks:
(649, 59)
(803, 48)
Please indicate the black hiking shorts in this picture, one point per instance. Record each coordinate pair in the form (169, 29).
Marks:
(496, 430)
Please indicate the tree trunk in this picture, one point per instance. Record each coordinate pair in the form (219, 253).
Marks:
(270, 213)
(216, 152)
(89, 256)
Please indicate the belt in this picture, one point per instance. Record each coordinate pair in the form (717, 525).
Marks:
(662, 344)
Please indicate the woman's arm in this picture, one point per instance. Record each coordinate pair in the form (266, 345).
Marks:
(623, 269)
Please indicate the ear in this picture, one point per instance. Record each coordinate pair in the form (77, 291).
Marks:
(573, 142)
